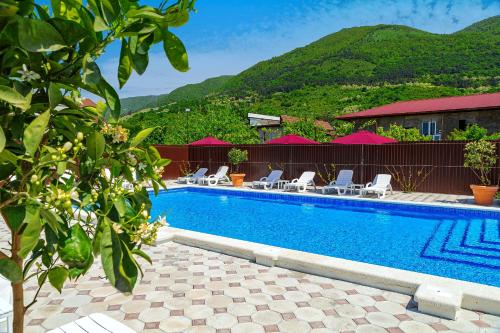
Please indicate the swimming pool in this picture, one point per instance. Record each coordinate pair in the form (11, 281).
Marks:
(457, 243)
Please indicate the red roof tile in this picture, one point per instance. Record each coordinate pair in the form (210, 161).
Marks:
(434, 105)
(88, 102)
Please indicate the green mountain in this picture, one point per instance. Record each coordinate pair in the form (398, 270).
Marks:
(380, 54)
(187, 92)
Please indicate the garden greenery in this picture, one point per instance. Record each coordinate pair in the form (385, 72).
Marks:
(73, 183)
(481, 157)
(236, 157)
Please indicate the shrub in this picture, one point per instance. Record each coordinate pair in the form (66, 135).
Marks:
(471, 132)
(400, 133)
(236, 157)
(481, 157)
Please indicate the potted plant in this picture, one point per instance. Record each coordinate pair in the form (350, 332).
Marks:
(236, 157)
(481, 157)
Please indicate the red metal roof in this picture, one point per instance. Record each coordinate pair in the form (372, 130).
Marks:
(434, 105)
(363, 138)
(292, 139)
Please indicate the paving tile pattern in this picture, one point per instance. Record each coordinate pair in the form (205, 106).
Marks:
(192, 290)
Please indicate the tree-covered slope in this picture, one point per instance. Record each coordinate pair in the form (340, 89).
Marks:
(378, 54)
(187, 92)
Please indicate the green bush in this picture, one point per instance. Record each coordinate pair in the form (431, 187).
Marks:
(401, 134)
(481, 157)
(236, 157)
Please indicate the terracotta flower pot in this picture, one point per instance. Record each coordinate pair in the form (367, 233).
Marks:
(483, 195)
(237, 179)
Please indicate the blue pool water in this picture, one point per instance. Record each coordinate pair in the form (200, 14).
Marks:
(451, 242)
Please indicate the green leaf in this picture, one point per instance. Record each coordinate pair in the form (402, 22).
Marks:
(125, 66)
(34, 132)
(100, 25)
(112, 98)
(2, 140)
(13, 97)
(39, 36)
(53, 220)
(31, 233)
(95, 145)
(136, 140)
(109, 9)
(7, 157)
(14, 216)
(175, 51)
(57, 277)
(139, 54)
(55, 95)
(10, 270)
(120, 205)
(71, 31)
(91, 72)
(142, 255)
(77, 249)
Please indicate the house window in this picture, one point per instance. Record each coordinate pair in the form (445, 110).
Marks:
(462, 124)
(429, 128)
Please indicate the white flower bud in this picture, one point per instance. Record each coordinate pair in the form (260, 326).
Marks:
(67, 146)
(34, 178)
(79, 136)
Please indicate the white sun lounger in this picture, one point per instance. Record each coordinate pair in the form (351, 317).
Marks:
(342, 184)
(218, 177)
(268, 182)
(94, 323)
(193, 178)
(380, 185)
(300, 184)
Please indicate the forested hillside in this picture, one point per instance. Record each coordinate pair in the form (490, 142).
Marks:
(348, 71)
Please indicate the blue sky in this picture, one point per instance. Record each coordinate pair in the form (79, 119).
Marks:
(228, 36)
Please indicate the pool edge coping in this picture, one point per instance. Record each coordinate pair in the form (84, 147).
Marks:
(475, 296)
(332, 197)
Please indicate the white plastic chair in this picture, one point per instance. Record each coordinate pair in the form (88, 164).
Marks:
(342, 184)
(194, 177)
(380, 185)
(95, 323)
(268, 182)
(300, 184)
(218, 177)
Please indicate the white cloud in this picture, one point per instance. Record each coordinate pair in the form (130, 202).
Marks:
(296, 29)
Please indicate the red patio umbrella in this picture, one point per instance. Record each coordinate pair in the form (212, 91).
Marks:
(363, 138)
(292, 139)
(209, 141)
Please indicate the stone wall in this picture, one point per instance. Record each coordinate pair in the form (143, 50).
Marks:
(445, 122)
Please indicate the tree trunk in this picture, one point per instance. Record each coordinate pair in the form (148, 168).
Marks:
(18, 298)
(17, 288)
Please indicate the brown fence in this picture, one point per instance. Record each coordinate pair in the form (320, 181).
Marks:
(436, 166)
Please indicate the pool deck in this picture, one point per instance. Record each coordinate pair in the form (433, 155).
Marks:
(188, 289)
(458, 200)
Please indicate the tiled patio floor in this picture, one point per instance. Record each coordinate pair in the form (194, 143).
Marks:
(193, 290)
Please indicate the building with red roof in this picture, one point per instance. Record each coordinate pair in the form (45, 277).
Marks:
(436, 116)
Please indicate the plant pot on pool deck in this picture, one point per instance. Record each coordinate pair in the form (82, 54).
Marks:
(237, 179)
(484, 195)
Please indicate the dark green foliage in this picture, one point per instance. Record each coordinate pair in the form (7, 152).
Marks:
(381, 54)
(187, 92)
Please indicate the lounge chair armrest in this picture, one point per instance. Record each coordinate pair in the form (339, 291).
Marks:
(332, 183)
(369, 184)
(294, 180)
(263, 179)
(211, 176)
